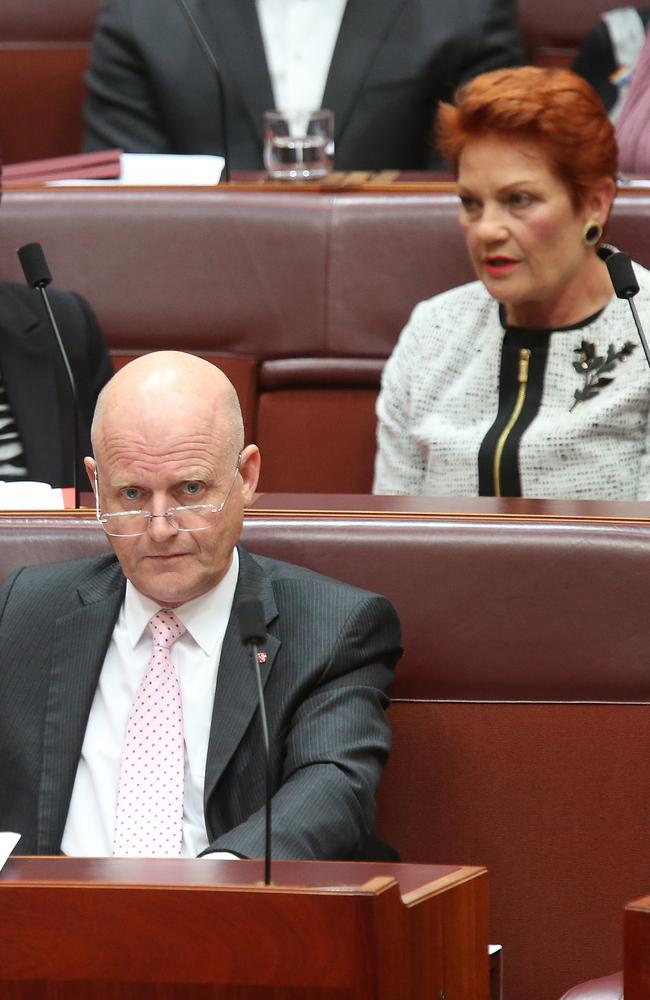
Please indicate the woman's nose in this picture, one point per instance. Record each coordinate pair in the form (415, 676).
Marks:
(492, 224)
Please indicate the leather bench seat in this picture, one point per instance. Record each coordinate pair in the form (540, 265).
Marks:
(302, 323)
(44, 50)
(554, 31)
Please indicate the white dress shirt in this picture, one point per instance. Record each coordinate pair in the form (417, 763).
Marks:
(299, 39)
(195, 656)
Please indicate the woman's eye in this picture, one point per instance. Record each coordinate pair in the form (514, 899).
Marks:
(469, 204)
(519, 199)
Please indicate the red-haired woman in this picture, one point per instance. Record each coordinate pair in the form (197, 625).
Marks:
(529, 381)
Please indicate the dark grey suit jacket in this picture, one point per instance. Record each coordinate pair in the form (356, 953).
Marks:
(152, 90)
(331, 651)
(35, 379)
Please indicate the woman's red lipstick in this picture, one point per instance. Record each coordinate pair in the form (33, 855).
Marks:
(498, 267)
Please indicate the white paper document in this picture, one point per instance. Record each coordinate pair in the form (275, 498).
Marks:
(158, 170)
(7, 843)
(30, 496)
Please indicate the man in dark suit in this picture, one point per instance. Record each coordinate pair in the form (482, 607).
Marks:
(172, 479)
(152, 89)
(36, 426)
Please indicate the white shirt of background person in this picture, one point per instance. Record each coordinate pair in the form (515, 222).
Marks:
(299, 39)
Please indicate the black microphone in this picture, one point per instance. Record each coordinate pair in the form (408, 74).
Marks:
(626, 286)
(214, 66)
(252, 629)
(622, 274)
(37, 275)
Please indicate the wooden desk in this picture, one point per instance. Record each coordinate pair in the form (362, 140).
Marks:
(636, 935)
(112, 928)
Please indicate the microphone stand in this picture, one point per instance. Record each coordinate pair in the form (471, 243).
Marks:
(267, 754)
(626, 286)
(200, 37)
(37, 275)
(252, 629)
(637, 322)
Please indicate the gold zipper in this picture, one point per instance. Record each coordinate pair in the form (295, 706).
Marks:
(524, 360)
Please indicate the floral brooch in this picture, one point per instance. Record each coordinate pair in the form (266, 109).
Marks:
(594, 368)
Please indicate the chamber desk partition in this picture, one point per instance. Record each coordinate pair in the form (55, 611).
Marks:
(193, 929)
(636, 924)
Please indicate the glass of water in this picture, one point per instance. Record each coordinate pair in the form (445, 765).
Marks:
(298, 145)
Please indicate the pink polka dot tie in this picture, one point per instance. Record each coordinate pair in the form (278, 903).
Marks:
(149, 816)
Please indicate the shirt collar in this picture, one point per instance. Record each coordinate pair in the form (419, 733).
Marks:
(198, 616)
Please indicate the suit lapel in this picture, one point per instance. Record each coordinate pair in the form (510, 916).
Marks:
(79, 644)
(233, 31)
(28, 373)
(236, 694)
(363, 29)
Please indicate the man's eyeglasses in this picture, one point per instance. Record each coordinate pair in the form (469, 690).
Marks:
(193, 517)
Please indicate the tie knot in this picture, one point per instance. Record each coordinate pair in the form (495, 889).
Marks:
(165, 628)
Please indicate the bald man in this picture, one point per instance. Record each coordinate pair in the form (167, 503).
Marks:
(128, 713)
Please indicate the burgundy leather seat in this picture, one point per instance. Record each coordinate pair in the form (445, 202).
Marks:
(44, 47)
(553, 31)
(608, 988)
(301, 326)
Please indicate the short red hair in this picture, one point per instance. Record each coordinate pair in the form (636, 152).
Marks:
(553, 107)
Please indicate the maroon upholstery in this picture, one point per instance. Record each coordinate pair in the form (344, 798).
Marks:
(554, 30)
(44, 47)
(520, 707)
(311, 439)
(609, 988)
(510, 780)
(519, 738)
(48, 20)
(299, 296)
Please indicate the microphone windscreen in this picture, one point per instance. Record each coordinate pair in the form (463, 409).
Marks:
(32, 259)
(252, 624)
(622, 274)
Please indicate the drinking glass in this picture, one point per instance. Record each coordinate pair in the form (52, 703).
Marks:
(298, 145)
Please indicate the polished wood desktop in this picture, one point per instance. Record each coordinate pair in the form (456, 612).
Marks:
(102, 929)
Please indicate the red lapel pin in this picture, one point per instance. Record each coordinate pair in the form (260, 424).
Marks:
(262, 657)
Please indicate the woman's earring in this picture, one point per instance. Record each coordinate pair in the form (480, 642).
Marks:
(592, 232)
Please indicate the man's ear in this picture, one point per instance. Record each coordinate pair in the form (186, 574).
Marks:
(90, 465)
(249, 470)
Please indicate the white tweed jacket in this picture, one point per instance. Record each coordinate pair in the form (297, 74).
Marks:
(440, 395)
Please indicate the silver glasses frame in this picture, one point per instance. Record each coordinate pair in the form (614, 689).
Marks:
(169, 514)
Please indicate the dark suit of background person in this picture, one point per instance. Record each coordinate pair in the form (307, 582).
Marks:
(597, 61)
(35, 380)
(331, 651)
(151, 89)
